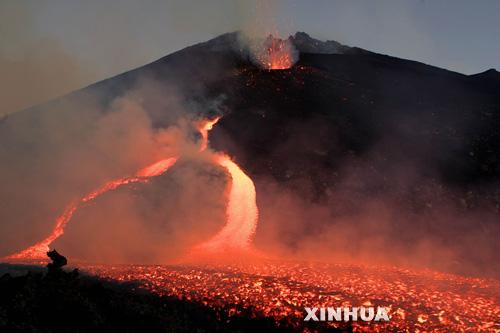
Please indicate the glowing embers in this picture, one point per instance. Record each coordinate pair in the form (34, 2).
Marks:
(417, 301)
(275, 53)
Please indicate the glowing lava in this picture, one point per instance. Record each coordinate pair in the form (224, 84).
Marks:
(241, 215)
(417, 301)
(157, 169)
(39, 250)
(203, 127)
(276, 54)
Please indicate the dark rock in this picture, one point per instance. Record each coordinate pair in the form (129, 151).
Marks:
(58, 260)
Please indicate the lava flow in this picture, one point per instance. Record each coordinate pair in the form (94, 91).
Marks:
(39, 250)
(241, 215)
(417, 301)
(241, 210)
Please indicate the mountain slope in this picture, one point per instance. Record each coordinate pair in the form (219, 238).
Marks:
(343, 129)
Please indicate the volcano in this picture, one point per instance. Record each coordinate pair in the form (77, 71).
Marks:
(340, 127)
(349, 155)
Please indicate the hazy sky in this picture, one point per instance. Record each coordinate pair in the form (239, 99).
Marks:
(48, 48)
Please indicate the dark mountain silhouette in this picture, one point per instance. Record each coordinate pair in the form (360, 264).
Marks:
(490, 74)
(342, 118)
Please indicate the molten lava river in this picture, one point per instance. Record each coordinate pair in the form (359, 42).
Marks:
(417, 301)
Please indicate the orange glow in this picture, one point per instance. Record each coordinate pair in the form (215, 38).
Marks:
(204, 126)
(157, 169)
(241, 212)
(418, 301)
(39, 250)
(277, 54)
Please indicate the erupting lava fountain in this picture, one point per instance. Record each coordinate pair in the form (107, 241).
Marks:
(275, 53)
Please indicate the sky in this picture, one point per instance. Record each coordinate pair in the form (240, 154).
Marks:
(51, 47)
